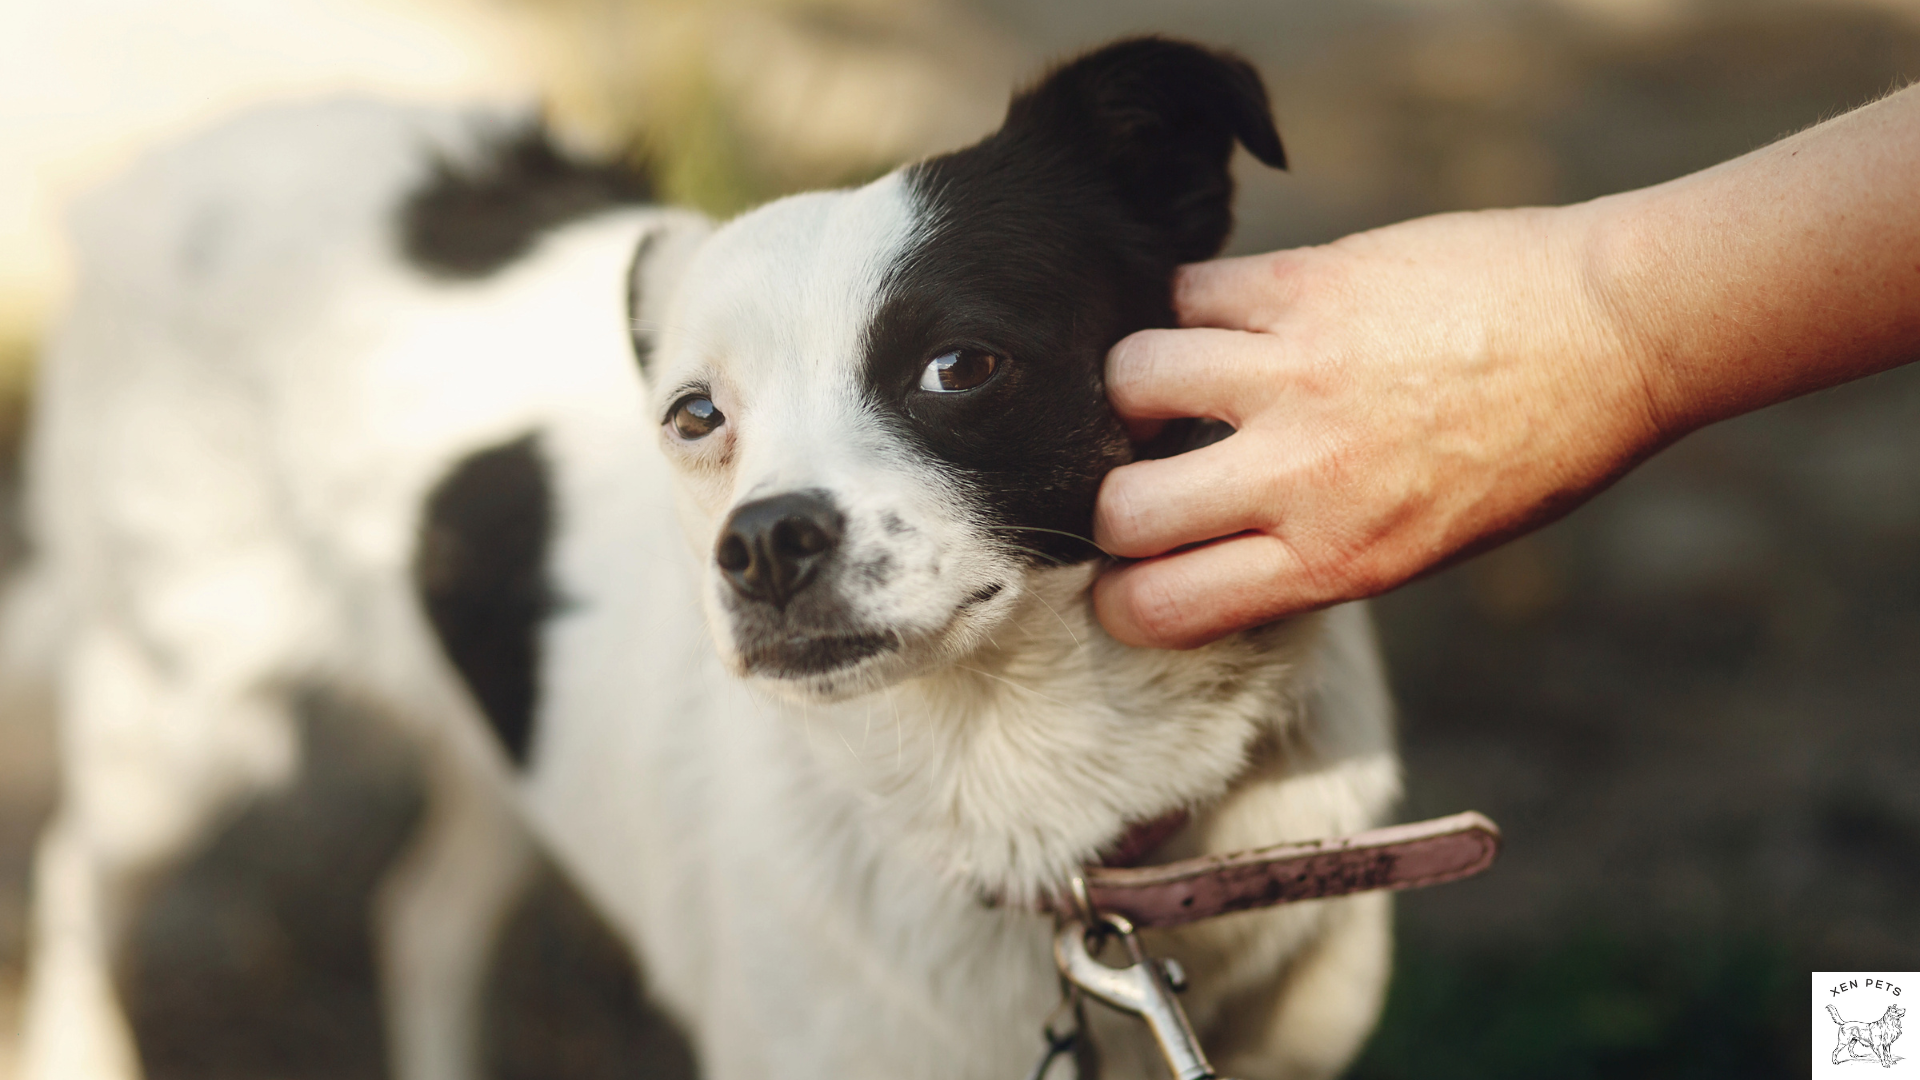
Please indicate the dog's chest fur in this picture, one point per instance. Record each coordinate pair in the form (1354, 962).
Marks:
(821, 815)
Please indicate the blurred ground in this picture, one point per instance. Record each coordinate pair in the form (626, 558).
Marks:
(1691, 705)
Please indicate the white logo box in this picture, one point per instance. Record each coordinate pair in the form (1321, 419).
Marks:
(1877, 1037)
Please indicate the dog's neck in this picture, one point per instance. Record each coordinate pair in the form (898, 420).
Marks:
(1034, 754)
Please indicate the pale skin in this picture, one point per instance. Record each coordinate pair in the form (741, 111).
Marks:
(1411, 395)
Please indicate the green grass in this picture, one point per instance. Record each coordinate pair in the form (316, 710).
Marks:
(1599, 1005)
(16, 387)
(703, 159)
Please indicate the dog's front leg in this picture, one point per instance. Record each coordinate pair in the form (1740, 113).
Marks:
(437, 915)
(152, 754)
(74, 1028)
(1315, 1018)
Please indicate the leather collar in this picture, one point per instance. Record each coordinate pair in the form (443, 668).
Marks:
(1190, 890)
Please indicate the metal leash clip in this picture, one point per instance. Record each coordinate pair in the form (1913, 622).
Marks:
(1144, 988)
(1065, 1033)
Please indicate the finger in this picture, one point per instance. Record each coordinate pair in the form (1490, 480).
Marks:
(1151, 507)
(1189, 599)
(1166, 374)
(1248, 293)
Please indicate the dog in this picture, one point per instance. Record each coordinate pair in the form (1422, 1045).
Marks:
(742, 568)
(1859, 1040)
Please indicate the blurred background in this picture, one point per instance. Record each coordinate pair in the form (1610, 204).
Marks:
(1694, 705)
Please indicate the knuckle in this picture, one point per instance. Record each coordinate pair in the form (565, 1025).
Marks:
(1158, 608)
(1117, 513)
(1195, 285)
(1130, 364)
(1273, 491)
(1348, 573)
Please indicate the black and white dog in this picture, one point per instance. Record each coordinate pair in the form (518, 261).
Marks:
(740, 568)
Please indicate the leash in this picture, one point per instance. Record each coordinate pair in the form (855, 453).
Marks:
(1106, 902)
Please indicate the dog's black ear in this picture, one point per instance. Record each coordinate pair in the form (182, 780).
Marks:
(1161, 118)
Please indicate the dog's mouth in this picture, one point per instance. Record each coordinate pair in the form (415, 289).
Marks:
(812, 655)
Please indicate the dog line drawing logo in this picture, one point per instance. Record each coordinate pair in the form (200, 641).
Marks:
(1862, 1041)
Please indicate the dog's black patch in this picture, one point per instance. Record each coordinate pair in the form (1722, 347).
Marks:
(480, 568)
(981, 596)
(641, 336)
(794, 657)
(1046, 243)
(876, 571)
(474, 216)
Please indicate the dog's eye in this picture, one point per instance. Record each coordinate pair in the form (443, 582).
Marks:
(962, 369)
(694, 417)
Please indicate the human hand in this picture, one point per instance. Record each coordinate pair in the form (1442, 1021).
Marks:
(1407, 396)
(1400, 398)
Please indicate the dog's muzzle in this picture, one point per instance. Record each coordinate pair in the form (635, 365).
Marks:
(779, 557)
(771, 549)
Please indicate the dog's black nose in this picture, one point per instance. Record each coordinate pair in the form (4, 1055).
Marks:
(771, 548)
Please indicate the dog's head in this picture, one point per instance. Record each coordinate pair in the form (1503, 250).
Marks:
(886, 405)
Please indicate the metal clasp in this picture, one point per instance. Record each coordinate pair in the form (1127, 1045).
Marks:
(1065, 1033)
(1144, 988)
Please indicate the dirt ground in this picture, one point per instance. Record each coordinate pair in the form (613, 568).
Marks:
(1691, 705)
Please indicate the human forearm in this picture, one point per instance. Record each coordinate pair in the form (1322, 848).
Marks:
(1792, 268)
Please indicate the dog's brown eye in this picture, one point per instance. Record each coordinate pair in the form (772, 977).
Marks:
(962, 369)
(694, 417)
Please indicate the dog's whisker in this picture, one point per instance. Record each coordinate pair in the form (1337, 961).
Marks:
(899, 733)
(1015, 685)
(1063, 622)
(661, 336)
(1057, 532)
(1035, 552)
(1022, 549)
(675, 335)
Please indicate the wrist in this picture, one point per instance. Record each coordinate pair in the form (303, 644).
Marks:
(1585, 385)
(1616, 337)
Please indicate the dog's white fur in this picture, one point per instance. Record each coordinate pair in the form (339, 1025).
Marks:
(237, 428)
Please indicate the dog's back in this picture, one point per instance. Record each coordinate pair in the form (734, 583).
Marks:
(238, 426)
(255, 386)
(204, 268)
